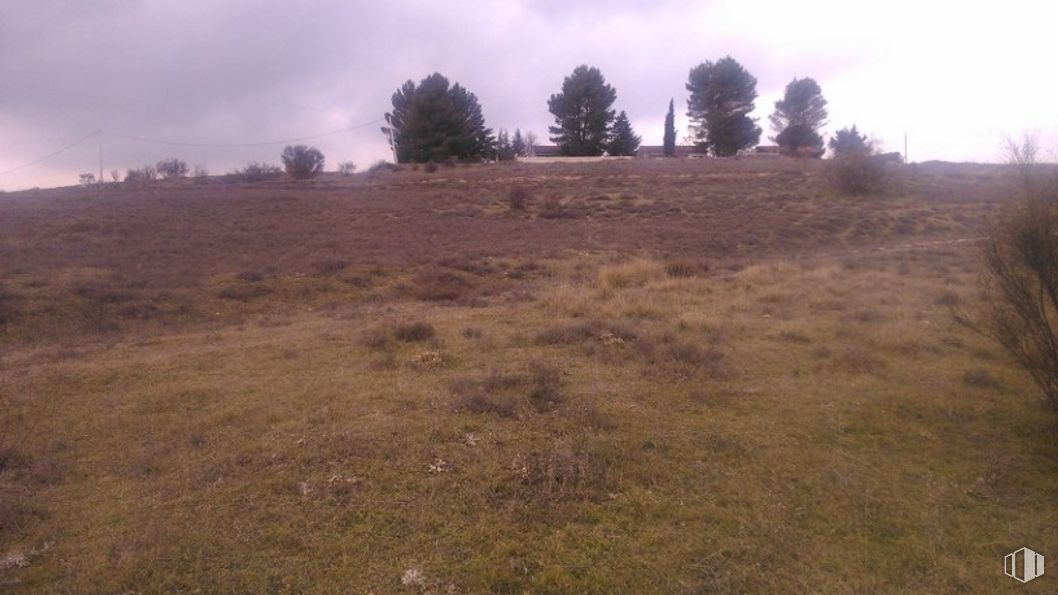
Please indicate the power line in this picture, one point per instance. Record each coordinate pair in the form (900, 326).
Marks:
(52, 154)
(238, 145)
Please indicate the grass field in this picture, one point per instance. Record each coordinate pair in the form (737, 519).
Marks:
(633, 377)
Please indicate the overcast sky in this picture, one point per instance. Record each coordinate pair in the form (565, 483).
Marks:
(956, 76)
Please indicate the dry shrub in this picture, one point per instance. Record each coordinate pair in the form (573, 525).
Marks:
(436, 286)
(857, 173)
(471, 396)
(545, 384)
(591, 330)
(635, 273)
(569, 469)
(1021, 311)
(430, 167)
(375, 338)
(688, 359)
(683, 269)
(979, 378)
(518, 198)
(552, 208)
(414, 332)
(250, 276)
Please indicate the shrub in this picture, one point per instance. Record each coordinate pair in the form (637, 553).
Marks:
(382, 167)
(437, 286)
(139, 176)
(88, 179)
(682, 269)
(430, 167)
(346, 168)
(172, 168)
(857, 174)
(1021, 311)
(200, 172)
(553, 209)
(518, 198)
(414, 332)
(472, 397)
(546, 381)
(302, 162)
(258, 172)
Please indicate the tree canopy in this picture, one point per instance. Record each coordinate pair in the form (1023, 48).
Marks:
(722, 96)
(582, 113)
(799, 115)
(848, 141)
(437, 121)
(669, 141)
(623, 140)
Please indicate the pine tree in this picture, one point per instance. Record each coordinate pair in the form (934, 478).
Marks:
(722, 96)
(799, 115)
(623, 140)
(582, 112)
(435, 121)
(670, 130)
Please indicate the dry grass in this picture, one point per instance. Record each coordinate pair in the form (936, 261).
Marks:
(801, 415)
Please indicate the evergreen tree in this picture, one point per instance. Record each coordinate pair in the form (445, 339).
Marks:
(722, 96)
(623, 140)
(518, 144)
(799, 115)
(670, 130)
(436, 121)
(848, 141)
(582, 113)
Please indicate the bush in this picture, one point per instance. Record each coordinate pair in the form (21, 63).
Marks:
(381, 167)
(201, 172)
(430, 167)
(302, 162)
(856, 174)
(88, 179)
(518, 198)
(1021, 310)
(172, 168)
(346, 168)
(414, 332)
(144, 174)
(258, 172)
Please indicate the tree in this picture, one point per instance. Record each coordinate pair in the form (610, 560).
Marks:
(346, 168)
(722, 96)
(518, 144)
(504, 148)
(623, 140)
(530, 144)
(798, 136)
(848, 141)
(302, 162)
(670, 130)
(799, 115)
(582, 113)
(172, 168)
(437, 121)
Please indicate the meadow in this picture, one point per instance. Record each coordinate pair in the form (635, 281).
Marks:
(618, 377)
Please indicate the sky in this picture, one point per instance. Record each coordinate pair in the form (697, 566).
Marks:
(956, 77)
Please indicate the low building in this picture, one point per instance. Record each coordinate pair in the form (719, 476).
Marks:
(658, 152)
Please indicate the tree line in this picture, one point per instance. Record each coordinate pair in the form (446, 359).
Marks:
(436, 120)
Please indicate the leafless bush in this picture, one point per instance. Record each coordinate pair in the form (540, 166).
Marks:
(518, 198)
(144, 174)
(569, 469)
(258, 172)
(200, 173)
(88, 179)
(478, 397)
(172, 168)
(1021, 311)
(346, 168)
